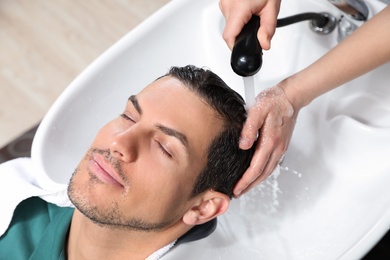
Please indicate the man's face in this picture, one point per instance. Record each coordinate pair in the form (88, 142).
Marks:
(140, 170)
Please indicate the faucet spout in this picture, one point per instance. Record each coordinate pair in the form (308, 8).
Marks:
(356, 9)
(355, 13)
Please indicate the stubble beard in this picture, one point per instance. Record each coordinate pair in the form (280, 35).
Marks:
(111, 217)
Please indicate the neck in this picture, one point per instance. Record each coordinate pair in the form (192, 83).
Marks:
(88, 240)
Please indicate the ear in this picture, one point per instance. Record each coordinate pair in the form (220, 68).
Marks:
(209, 205)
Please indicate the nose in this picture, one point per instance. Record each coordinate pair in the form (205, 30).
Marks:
(124, 145)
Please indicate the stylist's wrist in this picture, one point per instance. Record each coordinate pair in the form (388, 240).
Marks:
(295, 94)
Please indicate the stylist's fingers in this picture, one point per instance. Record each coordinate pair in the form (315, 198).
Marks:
(234, 25)
(236, 16)
(238, 12)
(268, 24)
(271, 105)
(258, 162)
(272, 162)
(251, 127)
(270, 147)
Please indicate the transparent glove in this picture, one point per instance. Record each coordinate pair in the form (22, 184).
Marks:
(271, 120)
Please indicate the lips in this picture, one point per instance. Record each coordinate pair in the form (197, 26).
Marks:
(103, 170)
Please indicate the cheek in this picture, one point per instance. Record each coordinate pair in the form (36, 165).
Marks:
(161, 186)
(105, 133)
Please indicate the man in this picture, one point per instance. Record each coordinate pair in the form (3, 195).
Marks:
(169, 162)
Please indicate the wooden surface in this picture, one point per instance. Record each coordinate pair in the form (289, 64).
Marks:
(45, 44)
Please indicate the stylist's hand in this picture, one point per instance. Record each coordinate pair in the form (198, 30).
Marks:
(238, 12)
(272, 118)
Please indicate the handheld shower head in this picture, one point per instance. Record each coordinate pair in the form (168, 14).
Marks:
(246, 58)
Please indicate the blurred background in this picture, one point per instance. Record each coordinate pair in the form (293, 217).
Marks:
(44, 45)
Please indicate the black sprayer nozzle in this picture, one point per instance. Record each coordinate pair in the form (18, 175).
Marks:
(246, 59)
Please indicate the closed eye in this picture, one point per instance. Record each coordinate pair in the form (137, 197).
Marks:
(165, 152)
(127, 117)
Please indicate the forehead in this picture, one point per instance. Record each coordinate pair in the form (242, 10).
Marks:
(171, 103)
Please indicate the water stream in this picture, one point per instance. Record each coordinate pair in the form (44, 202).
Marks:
(250, 95)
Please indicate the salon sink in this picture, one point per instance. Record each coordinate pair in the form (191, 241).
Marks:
(328, 200)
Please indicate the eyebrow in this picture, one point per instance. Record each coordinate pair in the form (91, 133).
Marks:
(166, 130)
(136, 105)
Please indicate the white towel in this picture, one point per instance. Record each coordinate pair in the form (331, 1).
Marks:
(18, 181)
(162, 251)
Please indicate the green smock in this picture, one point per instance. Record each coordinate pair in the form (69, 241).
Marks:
(38, 231)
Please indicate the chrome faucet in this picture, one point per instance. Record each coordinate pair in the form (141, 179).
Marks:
(356, 12)
(356, 9)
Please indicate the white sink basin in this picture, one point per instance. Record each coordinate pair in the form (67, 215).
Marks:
(331, 199)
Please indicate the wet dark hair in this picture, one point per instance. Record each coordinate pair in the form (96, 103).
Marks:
(226, 163)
